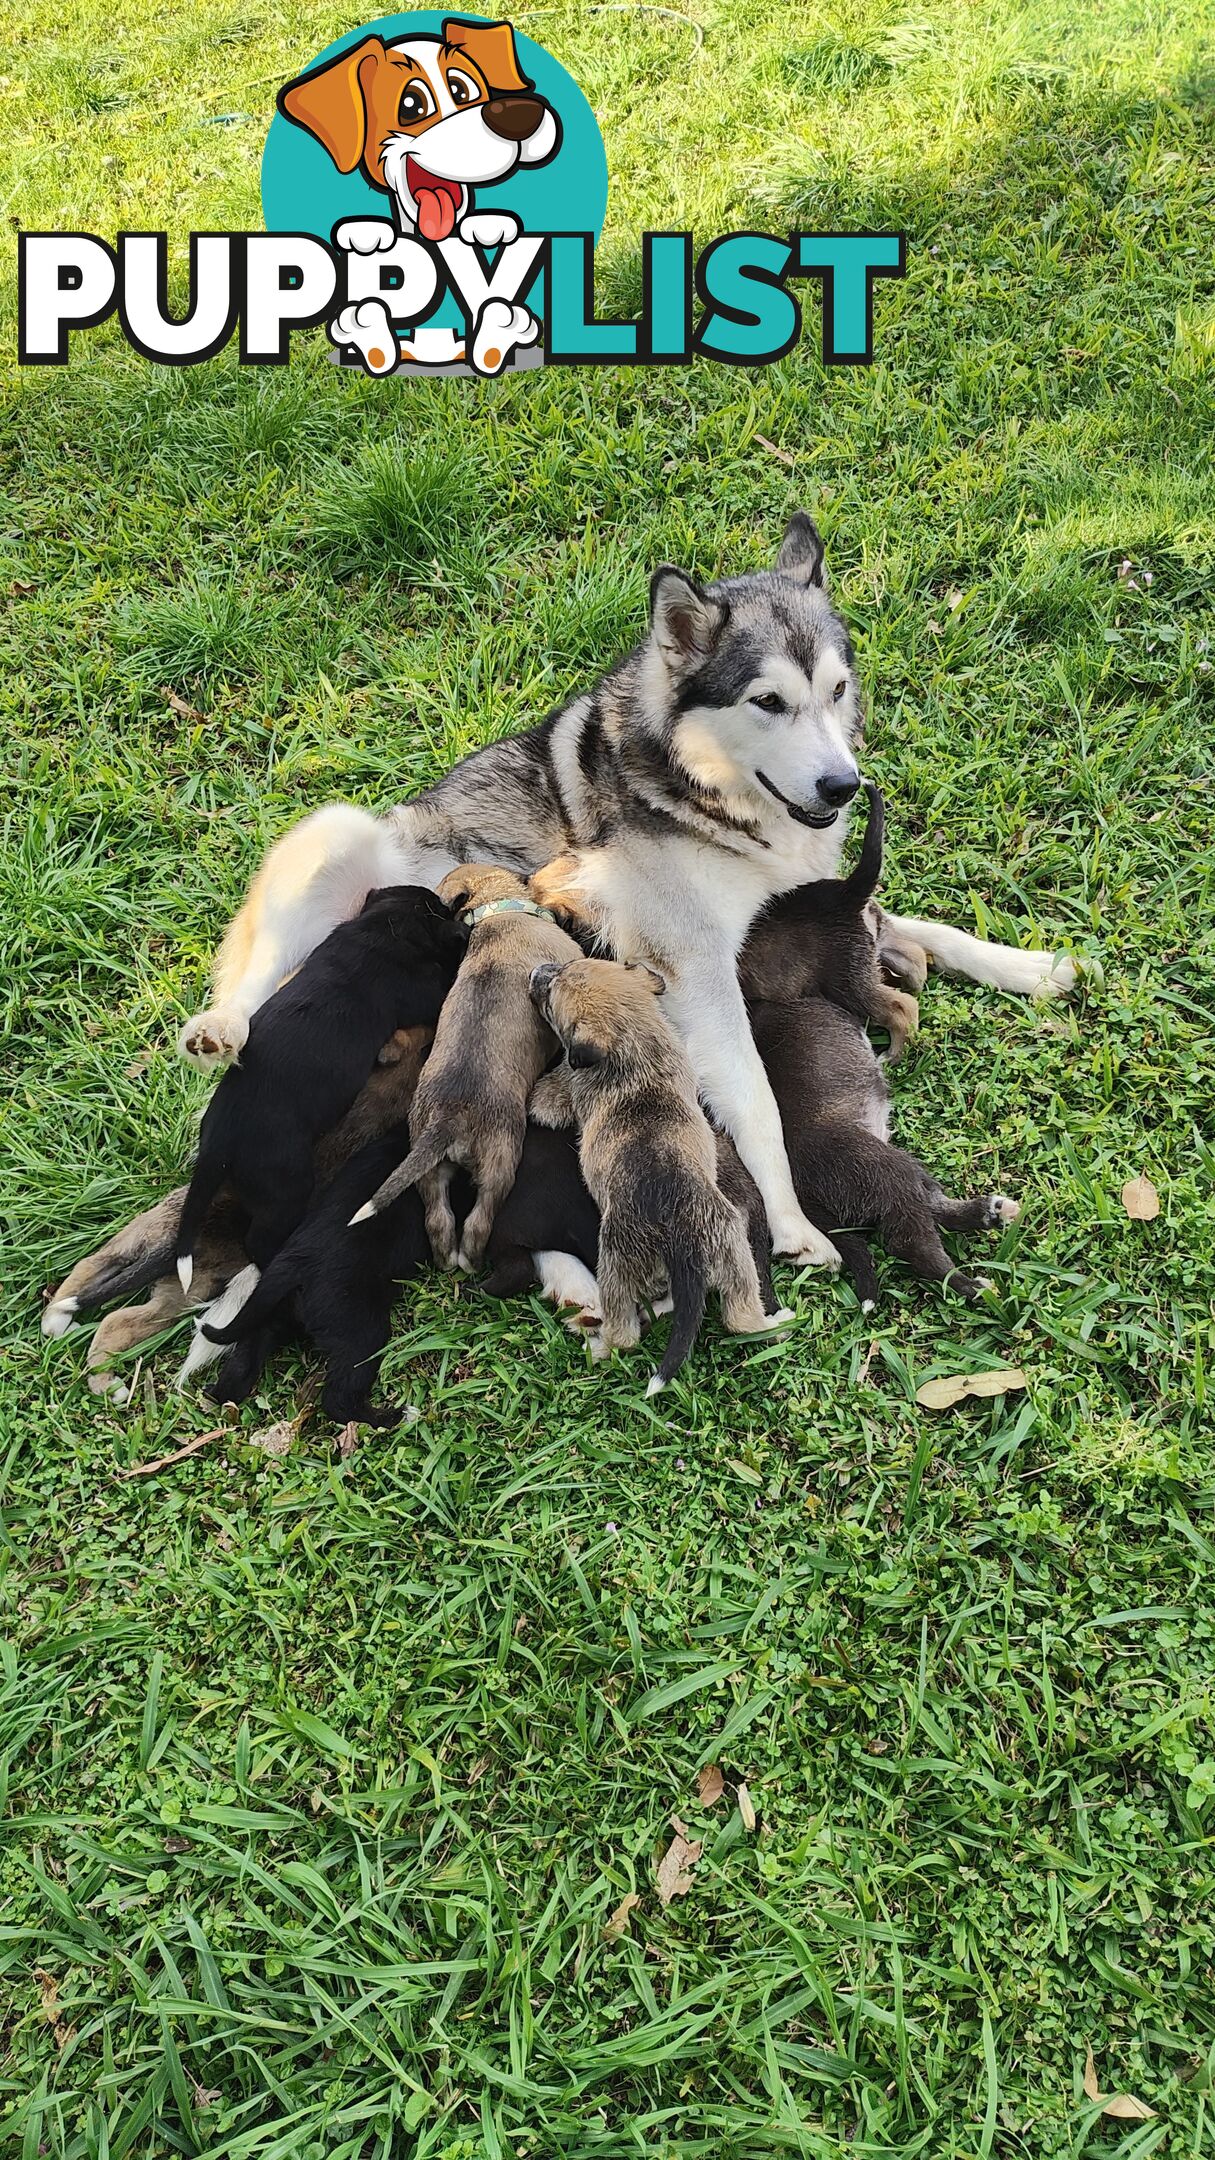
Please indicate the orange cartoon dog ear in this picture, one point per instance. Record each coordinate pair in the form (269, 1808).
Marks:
(331, 102)
(491, 48)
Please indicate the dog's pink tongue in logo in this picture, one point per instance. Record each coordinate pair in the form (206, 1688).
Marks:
(437, 201)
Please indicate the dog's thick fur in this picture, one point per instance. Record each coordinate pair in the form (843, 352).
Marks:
(313, 1048)
(491, 1046)
(649, 1159)
(817, 942)
(663, 776)
(835, 1107)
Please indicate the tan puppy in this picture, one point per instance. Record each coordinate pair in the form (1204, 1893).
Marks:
(490, 1048)
(649, 1158)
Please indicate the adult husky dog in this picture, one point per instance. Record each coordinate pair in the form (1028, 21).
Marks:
(708, 772)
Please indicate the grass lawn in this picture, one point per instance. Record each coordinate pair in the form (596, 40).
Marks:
(324, 1776)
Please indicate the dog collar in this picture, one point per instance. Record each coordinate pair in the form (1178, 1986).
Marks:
(506, 907)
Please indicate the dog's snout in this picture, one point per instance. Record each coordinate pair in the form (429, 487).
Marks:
(513, 118)
(837, 788)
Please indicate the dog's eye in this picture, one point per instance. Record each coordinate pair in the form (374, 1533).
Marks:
(838, 692)
(463, 91)
(416, 104)
(769, 701)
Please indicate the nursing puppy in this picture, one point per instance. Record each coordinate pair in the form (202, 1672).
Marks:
(310, 1051)
(335, 1285)
(835, 1109)
(818, 942)
(491, 1047)
(649, 1159)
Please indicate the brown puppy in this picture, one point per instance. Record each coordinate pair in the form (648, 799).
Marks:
(649, 1158)
(490, 1048)
(140, 1257)
(818, 941)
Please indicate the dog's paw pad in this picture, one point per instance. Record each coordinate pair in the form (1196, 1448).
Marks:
(367, 325)
(213, 1038)
(1002, 1209)
(501, 328)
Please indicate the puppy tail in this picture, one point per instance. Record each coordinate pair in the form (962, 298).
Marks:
(862, 882)
(425, 1157)
(209, 1174)
(688, 1291)
(276, 1283)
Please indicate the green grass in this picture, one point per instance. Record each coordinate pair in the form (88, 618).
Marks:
(323, 1776)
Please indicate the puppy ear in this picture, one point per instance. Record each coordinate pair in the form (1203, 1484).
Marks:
(685, 622)
(491, 48)
(801, 551)
(658, 983)
(331, 101)
(582, 1053)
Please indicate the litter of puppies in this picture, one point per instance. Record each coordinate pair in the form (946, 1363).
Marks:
(453, 1076)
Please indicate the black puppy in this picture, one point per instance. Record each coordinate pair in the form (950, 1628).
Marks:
(834, 1107)
(311, 1047)
(334, 1284)
(818, 941)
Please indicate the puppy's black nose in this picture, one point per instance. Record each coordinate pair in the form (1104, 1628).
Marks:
(837, 788)
(514, 118)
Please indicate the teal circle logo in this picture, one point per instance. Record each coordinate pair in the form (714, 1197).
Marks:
(436, 153)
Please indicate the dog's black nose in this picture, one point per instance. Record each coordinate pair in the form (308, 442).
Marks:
(514, 118)
(837, 788)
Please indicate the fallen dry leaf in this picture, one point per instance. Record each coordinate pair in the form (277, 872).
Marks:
(674, 1872)
(618, 1923)
(710, 1785)
(21, 589)
(1141, 1199)
(162, 1462)
(1122, 2106)
(179, 706)
(786, 456)
(348, 1440)
(276, 1439)
(48, 1990)
(942, 1394)
(746, 1807)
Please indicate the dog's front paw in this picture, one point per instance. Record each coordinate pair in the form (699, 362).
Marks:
(367, 325)
(365, 235)
(1000, 1209)
(501, 328)
(214, 1038)
(489, 228)
(799, 1241)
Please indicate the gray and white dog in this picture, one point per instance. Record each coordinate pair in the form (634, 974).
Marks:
(706, 773)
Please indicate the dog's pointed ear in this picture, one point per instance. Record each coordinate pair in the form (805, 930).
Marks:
(331, 101)
(686, 623)
(801, 551)
(491, 48)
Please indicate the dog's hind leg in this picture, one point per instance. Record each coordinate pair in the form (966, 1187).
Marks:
(989, 1213)
(737, 1281)
(126, 1329)
(1005, 967)
(435, 1190)
(132, 1259)
(316, 876)
(909, 1233)
(621, 1325)
(496, 1169)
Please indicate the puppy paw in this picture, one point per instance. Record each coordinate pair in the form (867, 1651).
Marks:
(489, 228)
(798, 1240)
(1002, 1210)
(367, 325)
(58, 1316)
(214, 1038)
(365, 236)
(598, 1348)
(109, 1384)
(501, 329)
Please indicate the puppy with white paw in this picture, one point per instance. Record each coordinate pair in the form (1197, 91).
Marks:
(649, 1158)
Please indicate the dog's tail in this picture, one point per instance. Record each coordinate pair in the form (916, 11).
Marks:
(426, 1156)
(209, 1173)
(861, 882)
(275, 1283)
(689, 1288)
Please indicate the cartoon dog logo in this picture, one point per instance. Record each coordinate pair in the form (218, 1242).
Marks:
(427, 119)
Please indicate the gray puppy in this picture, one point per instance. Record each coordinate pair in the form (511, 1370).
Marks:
(649, 1158)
